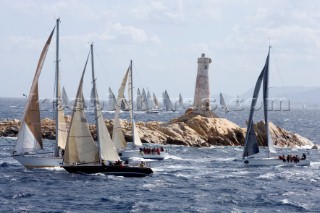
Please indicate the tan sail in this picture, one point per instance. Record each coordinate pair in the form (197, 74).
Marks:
(117, 136)
(80, 147)
(29, 138)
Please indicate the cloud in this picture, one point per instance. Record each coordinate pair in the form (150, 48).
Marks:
(119, 33)
(159, 11)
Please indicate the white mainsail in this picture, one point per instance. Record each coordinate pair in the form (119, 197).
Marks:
(223, 104)
(80, 147)
(155, 102)
(124, 104)
(65, 99)
(167, 102)
(117, 135)
(112, 101)
(144, 103)
(149, 101)
(181, 104)
(138, 100)
(107, 149)
(62, 125)
(29, 137)
(135, 134)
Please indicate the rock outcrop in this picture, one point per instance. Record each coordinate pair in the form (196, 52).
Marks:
(189, 129)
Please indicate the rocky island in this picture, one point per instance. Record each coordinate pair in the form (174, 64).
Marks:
(189, 129)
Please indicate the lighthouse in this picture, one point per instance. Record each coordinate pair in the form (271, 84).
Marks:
(201, 103)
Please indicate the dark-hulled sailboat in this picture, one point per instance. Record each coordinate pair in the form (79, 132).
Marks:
(251, 145)
(82, 155)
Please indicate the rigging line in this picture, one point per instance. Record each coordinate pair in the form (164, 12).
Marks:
(279, 74)
(285, 94)
(67, 41)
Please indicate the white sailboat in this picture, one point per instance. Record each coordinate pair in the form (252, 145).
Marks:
(138, 101)
(168, 106)
(156, 104)
(125, 105)
(181, 104)
(144, 100)
(82, 155)
(251, 146)
(135, 148)
(151, 105)
(28, 148)
(223, 105)
(65, 99)
(112, 101)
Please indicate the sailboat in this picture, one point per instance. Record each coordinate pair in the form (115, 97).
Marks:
(65, 99)
(155, 102)
(144, 100)
(138, 100)
(28, 150)
(251, 146)
(223, 105)
(167, 102)
(81, 154)
(151, 105)
(134, 149)
(124, 104)
(181, 104)
(112, 101)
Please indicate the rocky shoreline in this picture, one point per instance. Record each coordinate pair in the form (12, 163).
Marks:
(189, 130)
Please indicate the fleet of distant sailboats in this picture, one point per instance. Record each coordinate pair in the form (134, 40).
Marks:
(75, 149)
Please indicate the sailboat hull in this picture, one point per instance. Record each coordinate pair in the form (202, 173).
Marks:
(274, 162)
(33, 161)
(126, 171)
(126, 154)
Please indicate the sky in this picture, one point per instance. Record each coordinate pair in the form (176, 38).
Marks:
(164, 40)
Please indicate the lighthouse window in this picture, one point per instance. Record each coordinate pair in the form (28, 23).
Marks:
(206, 67)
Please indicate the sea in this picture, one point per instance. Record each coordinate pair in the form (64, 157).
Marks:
(190, 180)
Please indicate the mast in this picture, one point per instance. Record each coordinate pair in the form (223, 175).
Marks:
(95, 101)
(131, 87)
(56, 151)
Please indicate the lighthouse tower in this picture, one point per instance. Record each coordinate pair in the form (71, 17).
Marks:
(201, 103)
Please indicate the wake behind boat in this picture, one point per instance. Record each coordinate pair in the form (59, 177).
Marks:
(251, 146)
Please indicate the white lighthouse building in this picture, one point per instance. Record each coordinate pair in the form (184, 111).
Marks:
(201, 103)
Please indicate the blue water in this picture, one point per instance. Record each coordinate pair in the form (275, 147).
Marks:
(191, 180)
